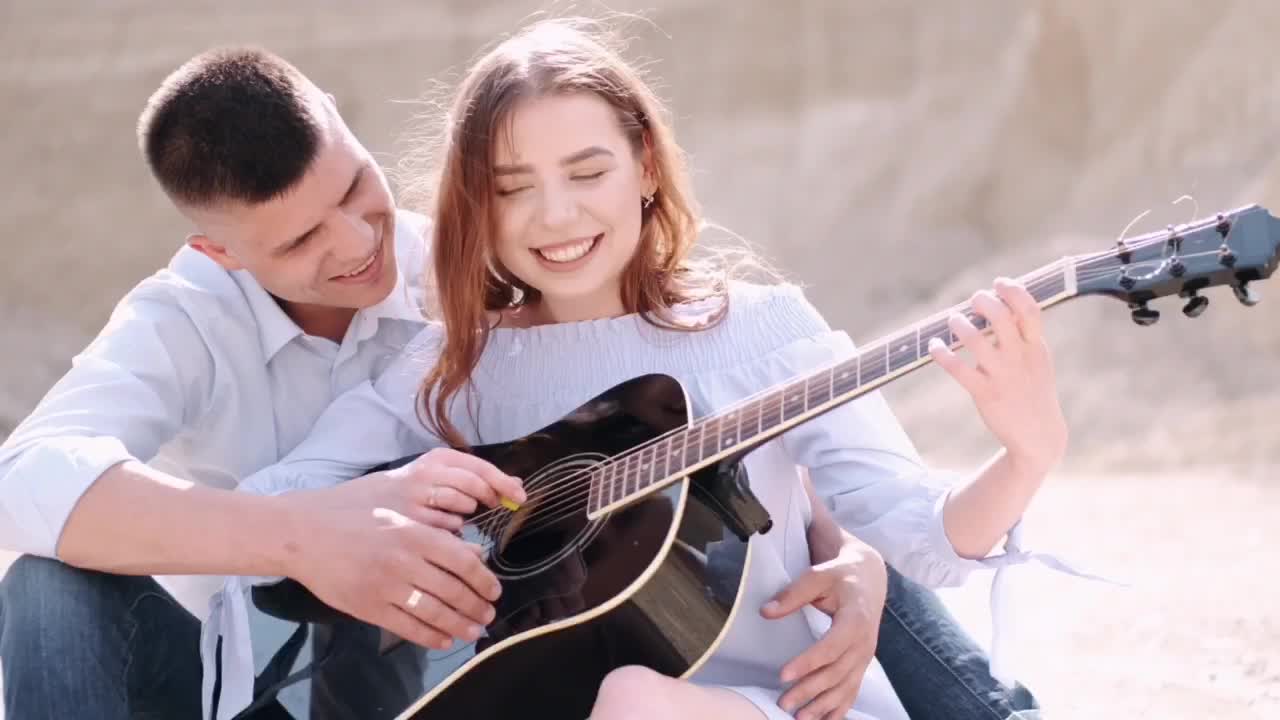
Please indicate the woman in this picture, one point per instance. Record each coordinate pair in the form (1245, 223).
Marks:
(565, 223)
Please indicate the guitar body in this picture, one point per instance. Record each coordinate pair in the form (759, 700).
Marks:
(582, 597)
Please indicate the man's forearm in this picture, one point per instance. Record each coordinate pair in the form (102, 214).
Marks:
(981, 511)
(139, 521)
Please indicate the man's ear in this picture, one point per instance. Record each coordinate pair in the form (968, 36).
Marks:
(214, 251)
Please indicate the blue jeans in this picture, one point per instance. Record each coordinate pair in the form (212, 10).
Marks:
(77, 643)
(71, 640)
(938, 671)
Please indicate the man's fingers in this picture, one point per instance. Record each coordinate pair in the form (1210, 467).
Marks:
(802, 591)
(410, 628)
(428, 609)
(449, 589)
(453, 554)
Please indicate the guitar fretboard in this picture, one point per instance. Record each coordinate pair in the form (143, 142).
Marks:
(760, 418)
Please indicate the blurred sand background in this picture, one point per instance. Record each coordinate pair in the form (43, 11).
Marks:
(891, 156)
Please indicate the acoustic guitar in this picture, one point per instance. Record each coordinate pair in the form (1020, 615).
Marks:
(633, 545)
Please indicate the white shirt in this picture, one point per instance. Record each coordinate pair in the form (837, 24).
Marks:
(198, 373)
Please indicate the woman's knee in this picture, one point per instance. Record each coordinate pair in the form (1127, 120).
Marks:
(630, 692)
(638, 693)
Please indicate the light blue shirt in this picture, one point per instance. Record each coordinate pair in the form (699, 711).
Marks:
(198, 373)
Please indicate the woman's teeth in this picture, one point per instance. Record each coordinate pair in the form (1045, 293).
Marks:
(362, 268)
(568, 253)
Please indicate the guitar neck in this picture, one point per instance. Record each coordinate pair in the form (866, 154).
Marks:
(762, 417)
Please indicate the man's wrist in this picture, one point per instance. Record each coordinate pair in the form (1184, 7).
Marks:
(273, 530)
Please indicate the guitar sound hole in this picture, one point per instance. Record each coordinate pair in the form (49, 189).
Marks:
(552, 524)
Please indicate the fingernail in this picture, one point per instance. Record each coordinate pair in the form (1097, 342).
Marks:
(443, 644)
(489, 615)
(473, 632)
(770, 607)
(788, 675)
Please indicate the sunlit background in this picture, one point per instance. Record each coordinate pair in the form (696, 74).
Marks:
(891, 156)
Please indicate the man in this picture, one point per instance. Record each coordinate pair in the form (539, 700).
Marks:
(298, 283)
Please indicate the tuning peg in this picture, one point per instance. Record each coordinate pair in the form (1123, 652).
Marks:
(1246, 294)
(1196, 303)
(1143, 315)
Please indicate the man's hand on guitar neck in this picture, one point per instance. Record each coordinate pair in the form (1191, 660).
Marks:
(384, 547)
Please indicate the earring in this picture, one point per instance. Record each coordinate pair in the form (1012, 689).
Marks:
(647, 202)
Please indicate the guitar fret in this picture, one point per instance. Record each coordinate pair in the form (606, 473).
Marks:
(870, 368)
(699, 430)
(607, 490)
(629, 476)
(792, 404)
(902, 353)
(725, 441)
(651, 461)
(662, 447)
(938, 329)
(815, 392)
(593, 489)
(844, 378)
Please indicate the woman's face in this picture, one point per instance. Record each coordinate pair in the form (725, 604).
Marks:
(570, 188)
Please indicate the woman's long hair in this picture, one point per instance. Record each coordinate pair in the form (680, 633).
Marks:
(551, 57)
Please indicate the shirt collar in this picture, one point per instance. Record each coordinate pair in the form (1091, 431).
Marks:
(405, 301)
(275, 328)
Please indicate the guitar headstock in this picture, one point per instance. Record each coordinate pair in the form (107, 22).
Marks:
(1230, 249)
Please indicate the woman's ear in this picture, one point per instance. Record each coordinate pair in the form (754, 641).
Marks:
(649, 172)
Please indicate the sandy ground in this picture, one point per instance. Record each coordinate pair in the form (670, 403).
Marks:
(1196, 631)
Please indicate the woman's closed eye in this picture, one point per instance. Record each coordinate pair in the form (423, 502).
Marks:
(582, 177)
(509, 191)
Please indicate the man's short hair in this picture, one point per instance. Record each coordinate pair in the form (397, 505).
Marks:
(236, 124)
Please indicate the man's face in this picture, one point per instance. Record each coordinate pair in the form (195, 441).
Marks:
(328, 242)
